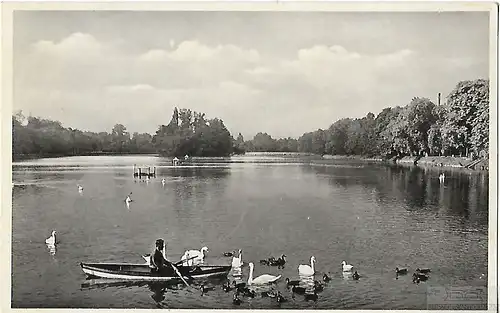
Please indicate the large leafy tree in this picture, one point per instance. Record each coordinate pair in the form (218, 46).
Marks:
(337, 136)
(466, 125)
(189, 132)
(120, 138)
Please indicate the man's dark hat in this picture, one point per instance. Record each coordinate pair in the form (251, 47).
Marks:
(159, 241)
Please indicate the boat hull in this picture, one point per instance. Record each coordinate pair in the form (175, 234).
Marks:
(142, 272)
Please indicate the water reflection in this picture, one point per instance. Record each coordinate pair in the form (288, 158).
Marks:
(52, 249)
(306, 282)
(158, 290)
(198, 186)
(463, 194)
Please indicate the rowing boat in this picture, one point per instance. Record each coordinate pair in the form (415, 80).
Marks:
(142, 272)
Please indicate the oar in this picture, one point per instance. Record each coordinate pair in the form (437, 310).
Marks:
(176, 263)
(179, 274)
(182, 261)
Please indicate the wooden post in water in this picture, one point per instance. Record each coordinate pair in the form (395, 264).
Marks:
(139, 172)
(149, 171)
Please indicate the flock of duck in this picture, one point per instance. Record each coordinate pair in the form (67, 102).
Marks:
(306, 274)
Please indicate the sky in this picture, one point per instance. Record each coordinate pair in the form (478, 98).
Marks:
(284, 73)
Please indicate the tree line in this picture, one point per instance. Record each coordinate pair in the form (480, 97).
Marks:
(458, 127)
(188, 132)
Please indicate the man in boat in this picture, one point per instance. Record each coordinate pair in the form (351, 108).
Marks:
(158, 260)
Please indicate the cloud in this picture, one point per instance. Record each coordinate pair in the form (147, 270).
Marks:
(250, 90)
(192, 63)
(75, 45)
(194, 51)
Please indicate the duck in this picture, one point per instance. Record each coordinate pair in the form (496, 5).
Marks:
(268, 261)
(226, 287)
(229, 254)
(236, 300)
(424, 270)
(299, 290)
(80, 188)
(420, 277)
(262, 279)
(355, 276)
(268, 294)
(401, 271)
(280, 298)
(239, 285)
(280, 262)
(237, 260)
(326, 278)
(307, 270)
(311, 296)
(52, 239)
(199, 256)
(318, 287)
(204, 289)
(247, 292)
(163, 181)
(292, 282)
(346, 267)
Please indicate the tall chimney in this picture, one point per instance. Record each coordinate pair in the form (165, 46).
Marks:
(439, 98)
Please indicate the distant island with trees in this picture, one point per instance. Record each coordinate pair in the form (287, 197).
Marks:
(458, 127)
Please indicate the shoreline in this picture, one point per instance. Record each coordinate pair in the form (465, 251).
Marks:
(24, 157)
(424, 162)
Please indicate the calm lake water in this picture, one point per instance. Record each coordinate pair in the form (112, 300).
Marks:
(376, 217)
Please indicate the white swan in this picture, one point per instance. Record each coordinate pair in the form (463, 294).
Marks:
(198, 256)
(52, 239)
(346, 267)
(262, 279)
(441, 177)
(128, 200)
(80, 188)
(163, 181)
(306, 270)
(237, 261)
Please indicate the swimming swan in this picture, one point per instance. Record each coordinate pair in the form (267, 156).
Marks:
(262, 279)
(237, 260)
(52, 239)
(346, 267)
(199, 256)
(128, 199)
(307, 270)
